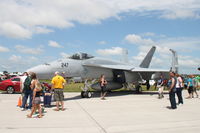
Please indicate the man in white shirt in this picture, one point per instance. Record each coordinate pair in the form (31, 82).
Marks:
(22, 79)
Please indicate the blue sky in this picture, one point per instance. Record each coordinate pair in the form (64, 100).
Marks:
(38, 31)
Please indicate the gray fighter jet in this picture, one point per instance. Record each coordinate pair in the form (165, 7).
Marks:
(89, 67)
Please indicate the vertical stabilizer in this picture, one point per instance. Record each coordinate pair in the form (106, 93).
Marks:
(147, 60)
(174, 67)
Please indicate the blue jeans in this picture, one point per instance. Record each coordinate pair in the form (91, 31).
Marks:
(179, 95)
(47, 100)
(172, 99)
(25, 98)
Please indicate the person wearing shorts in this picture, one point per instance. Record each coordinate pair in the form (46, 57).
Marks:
(58, 94)
(103, 84)
(58, 83)
(36, 101)
(160, 85)
(195, 86)
(190, 87)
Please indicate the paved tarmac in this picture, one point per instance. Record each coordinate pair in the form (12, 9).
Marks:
(122, 112)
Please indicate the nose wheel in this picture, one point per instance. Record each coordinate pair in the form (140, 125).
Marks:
(86, 94)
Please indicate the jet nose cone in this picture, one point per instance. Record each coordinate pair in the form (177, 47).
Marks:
(42, 71)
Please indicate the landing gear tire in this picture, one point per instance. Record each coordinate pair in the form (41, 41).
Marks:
(86, 94)
(82, 94)
(10, 90)
(89, 94)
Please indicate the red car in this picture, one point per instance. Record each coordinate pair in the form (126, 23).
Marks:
(12, 85)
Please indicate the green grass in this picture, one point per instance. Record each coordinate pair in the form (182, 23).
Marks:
(76, 87)
(45, 80)
(72, 87)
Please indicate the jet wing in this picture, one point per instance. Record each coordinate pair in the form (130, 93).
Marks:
(142, 73)
(118, 67)
(127, 68)
(149, 73)
(149, 70)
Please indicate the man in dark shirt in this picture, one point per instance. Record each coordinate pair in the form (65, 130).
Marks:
(172, 90)
(28, 92)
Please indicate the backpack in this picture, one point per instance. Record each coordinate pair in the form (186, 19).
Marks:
(27, 83)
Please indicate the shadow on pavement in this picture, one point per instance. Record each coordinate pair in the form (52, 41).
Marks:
(114, 94)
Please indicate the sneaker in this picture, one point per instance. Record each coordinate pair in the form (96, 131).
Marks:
(180, 104)
(23, 109)
(56, 109)
(168, 107)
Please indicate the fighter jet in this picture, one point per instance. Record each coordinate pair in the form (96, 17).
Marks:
(89, 67)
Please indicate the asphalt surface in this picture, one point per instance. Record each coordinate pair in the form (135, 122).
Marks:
(121, 112)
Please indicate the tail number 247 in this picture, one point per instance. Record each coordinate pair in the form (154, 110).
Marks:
(64, 65)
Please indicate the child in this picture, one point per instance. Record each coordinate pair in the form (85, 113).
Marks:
(47, 96)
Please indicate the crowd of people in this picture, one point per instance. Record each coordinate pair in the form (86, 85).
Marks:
(32, 89)
(175, 85)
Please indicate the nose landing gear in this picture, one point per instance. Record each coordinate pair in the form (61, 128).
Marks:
(86, 93)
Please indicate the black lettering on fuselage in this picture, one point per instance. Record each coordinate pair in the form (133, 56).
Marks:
(64, 65)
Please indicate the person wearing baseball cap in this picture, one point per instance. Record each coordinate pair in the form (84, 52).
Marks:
(58, 83)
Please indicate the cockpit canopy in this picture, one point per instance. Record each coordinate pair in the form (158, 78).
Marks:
(81, 56)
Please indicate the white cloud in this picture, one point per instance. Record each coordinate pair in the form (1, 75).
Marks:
(185, 46)
(20, 63)
(189, 61)
(181, 44)
(188, 64)
(15, 58)
(32, 58)
(140, 56)
(102, 42)
(4, 49)
(174, 14)
(54, 44)
(14, 30)
(138, 40)
(23, 18)
(112, 51)
(148, 34)
(27, 50)
(42, 30)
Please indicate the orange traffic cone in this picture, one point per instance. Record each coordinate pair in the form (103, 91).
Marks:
(19, 104)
